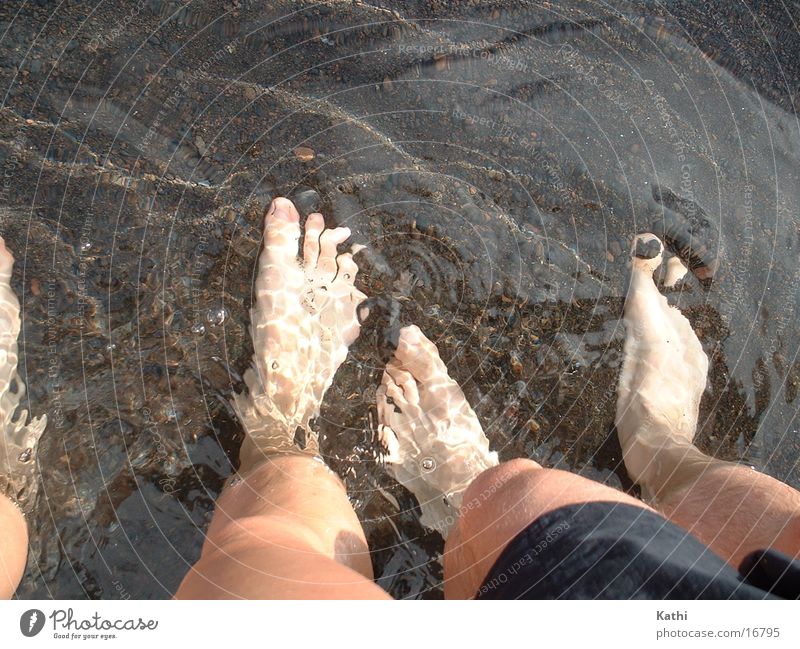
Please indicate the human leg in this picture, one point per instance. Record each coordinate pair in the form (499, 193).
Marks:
(18, 439)
(285, 528)
(500, 504)
(733, 509)
(437, 449)
(286, 531)
(13, 547)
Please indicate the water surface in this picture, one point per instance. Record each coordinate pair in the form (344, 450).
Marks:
(497, 159)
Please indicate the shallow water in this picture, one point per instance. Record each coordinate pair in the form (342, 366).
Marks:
(496, 161)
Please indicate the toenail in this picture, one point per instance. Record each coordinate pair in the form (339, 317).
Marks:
(647, 249)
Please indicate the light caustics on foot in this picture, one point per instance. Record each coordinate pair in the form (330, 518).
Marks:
(663, 375)
(434, 441)
(18, 439)
(303, 321)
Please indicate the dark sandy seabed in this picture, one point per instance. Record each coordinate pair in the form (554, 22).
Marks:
(497, 159)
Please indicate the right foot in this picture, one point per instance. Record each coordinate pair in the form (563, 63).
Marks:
(435, 444)
(18, 441)
(663, 374)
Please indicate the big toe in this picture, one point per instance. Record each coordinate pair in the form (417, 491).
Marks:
(647, 252)
(418, 355)
(282, 225)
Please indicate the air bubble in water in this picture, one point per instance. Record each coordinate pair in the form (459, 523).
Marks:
(216, 316)
(198, 328)
(26, 455)
(428, 464)
(85, 245)
(274, 365)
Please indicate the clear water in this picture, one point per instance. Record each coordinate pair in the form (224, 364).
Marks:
(497, 160)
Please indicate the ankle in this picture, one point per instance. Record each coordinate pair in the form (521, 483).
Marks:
(663, 469)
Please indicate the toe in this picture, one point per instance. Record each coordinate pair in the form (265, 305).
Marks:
(391, 391)
(282, 231)
(646, 252)
(404, 380)
(326, 265)
(352, 325)
(676, 271)
(388, 438)
(419, 355)
(278, 265)
(347, 268)
(315, 224)
(385, 402)
(6, 260)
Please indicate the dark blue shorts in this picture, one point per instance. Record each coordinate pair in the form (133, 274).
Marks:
(616, 551)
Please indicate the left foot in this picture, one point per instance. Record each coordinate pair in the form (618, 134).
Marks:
(435, 444)
(18, 441)
(302, 324)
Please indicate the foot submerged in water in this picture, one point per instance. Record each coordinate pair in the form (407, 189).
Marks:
(18, 439)
(435, 444)
(302, 324)
(663, 374)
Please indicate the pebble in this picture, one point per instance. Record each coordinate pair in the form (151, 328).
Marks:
(516, 364)
(307, 201)
(304, 154)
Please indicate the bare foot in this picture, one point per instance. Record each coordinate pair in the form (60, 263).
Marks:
(302, 324)
(435, 444)
(18, 441)
(663, 374)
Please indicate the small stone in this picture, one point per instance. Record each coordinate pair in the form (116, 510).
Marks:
(610, 257)
(304, 154)
(516, 364)
(534, 426)
(250, 93)
(307, 201)
(496, 175)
